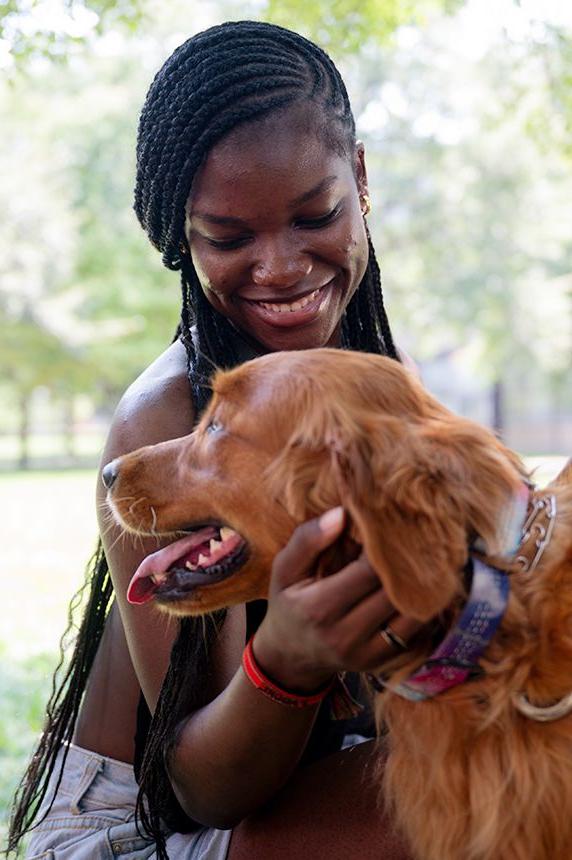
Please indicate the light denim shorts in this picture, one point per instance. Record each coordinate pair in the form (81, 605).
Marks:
(93, 817)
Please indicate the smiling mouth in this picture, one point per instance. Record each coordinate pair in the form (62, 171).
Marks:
(205, 556)
(293, 311)
(290, 307)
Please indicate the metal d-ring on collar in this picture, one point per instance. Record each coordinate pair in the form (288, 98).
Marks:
(542, 713)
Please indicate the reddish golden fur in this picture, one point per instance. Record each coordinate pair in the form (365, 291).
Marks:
(470, 778)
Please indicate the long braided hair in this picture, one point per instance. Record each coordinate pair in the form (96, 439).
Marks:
(229, 75)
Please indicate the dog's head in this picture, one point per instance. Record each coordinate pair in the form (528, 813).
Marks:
(288, 436)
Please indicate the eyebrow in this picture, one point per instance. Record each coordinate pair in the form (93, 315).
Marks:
(229, 221)
(315, 191)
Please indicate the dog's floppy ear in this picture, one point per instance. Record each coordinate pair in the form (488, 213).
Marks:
(418, 494)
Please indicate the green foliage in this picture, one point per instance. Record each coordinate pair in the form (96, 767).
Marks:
(344, 26)
(463, 154)
(468, 209)
(32, 31)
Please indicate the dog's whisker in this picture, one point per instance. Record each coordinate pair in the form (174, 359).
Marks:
(154, 523)
(134, 505)
(118, 538)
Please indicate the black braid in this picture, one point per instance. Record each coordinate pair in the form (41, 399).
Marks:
(227, 76)
(67, 691)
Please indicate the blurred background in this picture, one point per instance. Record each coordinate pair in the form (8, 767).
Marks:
(466, 112)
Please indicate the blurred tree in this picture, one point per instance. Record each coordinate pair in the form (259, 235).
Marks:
(30, 357)
(83, 295)
(473, 219)
(468, 178)
(345, 26)
(56, 29)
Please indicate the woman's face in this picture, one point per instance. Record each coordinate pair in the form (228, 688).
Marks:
(276, 234)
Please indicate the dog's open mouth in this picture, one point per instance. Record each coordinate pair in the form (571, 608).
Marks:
(207, 555)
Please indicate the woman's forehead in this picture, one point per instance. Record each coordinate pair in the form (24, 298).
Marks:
(277, 160)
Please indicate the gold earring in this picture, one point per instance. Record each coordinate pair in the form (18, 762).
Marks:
(365, 204)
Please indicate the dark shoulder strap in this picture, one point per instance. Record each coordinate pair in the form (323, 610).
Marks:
(255, 612)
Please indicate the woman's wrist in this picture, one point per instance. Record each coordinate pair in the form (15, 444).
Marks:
(275, 692)
(285, 673)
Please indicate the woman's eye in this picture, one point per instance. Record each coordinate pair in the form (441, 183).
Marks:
(322, 221)
(214, 426)
(227, 244)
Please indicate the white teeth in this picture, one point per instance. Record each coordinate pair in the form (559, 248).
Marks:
(214, 544)
(203, 559)
(190, 566)
(285, 307)
(158, 578)
(227, 533)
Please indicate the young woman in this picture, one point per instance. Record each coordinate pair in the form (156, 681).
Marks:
(250, 183)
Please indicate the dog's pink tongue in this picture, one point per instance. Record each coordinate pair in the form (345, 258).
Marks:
(142, 587)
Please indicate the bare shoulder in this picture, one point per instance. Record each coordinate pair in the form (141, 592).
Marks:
(156, 407)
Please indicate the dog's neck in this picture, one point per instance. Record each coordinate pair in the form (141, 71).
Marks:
(524, 535)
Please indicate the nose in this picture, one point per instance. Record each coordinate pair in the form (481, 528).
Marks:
(280, 264)
(109, 473)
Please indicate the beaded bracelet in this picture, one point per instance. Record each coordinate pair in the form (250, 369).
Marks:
(269, 689)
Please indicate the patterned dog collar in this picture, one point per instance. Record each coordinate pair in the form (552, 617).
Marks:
(455, 660)
(525, 531)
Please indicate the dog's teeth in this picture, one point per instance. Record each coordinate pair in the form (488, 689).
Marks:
(226, 533)
(158, 578)
(203, 559)
(214, 544)
(190, 566)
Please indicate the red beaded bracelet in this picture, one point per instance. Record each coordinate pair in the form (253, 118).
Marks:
(268, 688)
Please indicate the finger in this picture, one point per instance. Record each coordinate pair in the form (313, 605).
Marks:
(367, 617)
(296, 560)
(402, 628)
(338, 593)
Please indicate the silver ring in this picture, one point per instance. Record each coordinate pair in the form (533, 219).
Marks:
(393, 639)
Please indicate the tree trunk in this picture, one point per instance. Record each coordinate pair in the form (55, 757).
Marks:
(498, 408)
(69, 434)
(24, 431)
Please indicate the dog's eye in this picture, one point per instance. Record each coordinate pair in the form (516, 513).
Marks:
(214, 426)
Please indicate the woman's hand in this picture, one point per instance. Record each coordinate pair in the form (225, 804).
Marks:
(316, 627)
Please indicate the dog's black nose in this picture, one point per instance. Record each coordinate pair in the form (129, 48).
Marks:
(109, 473)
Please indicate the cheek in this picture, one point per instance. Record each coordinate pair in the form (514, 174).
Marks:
(215, 276)
(354, 247)
(351, 243)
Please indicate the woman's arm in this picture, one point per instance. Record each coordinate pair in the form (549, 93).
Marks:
(233, 755)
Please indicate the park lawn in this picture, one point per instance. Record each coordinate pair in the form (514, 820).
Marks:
(47, 533)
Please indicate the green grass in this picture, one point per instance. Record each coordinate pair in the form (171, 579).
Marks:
(47, 534)
(43, 446)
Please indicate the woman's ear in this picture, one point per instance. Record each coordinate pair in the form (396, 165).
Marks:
(360, 169)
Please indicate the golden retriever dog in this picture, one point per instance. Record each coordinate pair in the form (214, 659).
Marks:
(483, 769)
